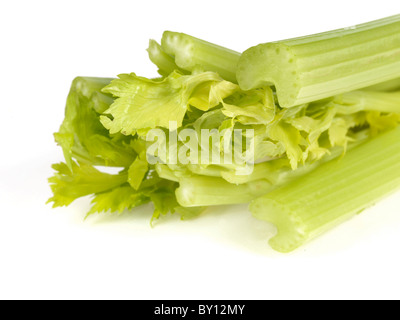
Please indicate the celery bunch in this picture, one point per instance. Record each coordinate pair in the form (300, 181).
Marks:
(291, 110)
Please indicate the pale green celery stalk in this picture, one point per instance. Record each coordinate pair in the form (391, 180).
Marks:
(197, 191)
(191, 53)
(333, 193)
(319, 66)
(201, 190)
(205, 190)
(165, 63)
(368, 101)
(164, 172)
(387, 86)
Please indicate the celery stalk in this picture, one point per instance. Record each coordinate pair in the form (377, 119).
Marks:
(369, 101)
(333, 193)
(387, 86)
(200, 191)
(190, 53)
(319, 66)
(164, 62)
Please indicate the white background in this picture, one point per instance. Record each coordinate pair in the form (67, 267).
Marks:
(54, 254)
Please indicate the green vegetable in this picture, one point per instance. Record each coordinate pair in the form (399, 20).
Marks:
(82, 136)
(191, 53)
(388, 86)
(87, 144)
(334, 192)
(146, 104)
(68, 185)
(308, 149)
(166, 64)
(323, 65)
(202, 188)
